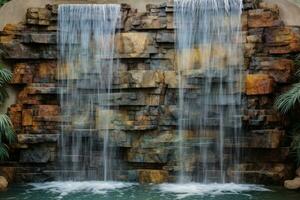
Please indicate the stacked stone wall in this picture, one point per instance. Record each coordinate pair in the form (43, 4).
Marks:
(145, 91)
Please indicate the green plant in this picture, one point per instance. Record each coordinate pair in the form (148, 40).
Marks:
(2, 2)
(7, 134)
(286, 103)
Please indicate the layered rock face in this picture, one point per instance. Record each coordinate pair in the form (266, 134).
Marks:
(145, 91)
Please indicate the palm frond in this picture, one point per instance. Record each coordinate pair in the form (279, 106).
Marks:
(285, 102)
(6, 128)
(5, 76)
(3, 151)
(3, 95)
(298, 73)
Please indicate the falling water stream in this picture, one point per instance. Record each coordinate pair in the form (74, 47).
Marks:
(86, 65)
(210, 72)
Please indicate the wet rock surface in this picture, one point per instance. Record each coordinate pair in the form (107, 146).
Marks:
(145, 93)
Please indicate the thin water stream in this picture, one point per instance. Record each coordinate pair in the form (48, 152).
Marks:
(210, 75)
(86, 66)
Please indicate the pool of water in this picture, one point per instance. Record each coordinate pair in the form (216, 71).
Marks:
(96, 190)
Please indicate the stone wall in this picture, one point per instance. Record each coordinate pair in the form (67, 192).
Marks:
(147, 94)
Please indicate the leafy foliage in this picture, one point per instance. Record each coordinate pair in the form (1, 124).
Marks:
(7, 134)
(2, 2)
(286, 103)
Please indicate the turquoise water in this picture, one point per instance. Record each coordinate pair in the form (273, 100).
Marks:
(126, 191)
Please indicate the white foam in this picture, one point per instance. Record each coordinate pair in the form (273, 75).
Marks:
(192, 189)
(68, 187)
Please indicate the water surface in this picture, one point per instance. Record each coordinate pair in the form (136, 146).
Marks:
(95, 190)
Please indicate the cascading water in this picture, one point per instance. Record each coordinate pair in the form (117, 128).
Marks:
(86, 65)
(210, 71)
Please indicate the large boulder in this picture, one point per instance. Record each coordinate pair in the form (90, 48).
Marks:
(292, 184)
(153, 176)
(3, 183)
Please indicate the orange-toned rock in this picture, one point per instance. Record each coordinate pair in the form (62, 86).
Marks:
(280, 69)
(260, 18)
(8, 173)
(3, 183)
(22, 74)
(48, 110)
(259, 84)
(153, 176)
(282, 40)
(27, 115)
(46, 72)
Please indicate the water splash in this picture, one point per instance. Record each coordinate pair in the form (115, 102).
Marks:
(86, 65)
(197, 189)
(210, 71)
(70, 187)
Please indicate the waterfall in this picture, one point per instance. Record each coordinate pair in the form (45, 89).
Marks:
(86, 65)
(209, 57)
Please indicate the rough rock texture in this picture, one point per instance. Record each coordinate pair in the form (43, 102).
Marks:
(146, 94)
(3, 183)
(153, 176)
(292, 184)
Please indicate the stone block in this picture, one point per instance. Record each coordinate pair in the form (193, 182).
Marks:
(111, 119)
(46, 72)
(153, 176)
(38, 16)
(280, 69)
(48, 110)
(37, 154)
(145, 78)
(171, 79)
(152, 155)
(266, 138)
(37, 138)
(22, 74)
(292, 184)
(27, 117)
(17, 50)
(261, 18)
(40, 38)
(259, 84)
(143, 21)
(269, 6)
(165, 37)
(282, 40)
(8, 173)
(135, 45)
(266, 173)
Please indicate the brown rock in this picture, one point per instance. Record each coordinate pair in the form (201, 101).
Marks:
(48, 110)
(259, 84)
(22, 74)
(269, 6)
(292, 184)
(260, 18)
(153, 176)
(282, 40)
(280, 69)
(3, 183)
(46, 72)
(8, 173)
(135, 44)
(27, 115)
